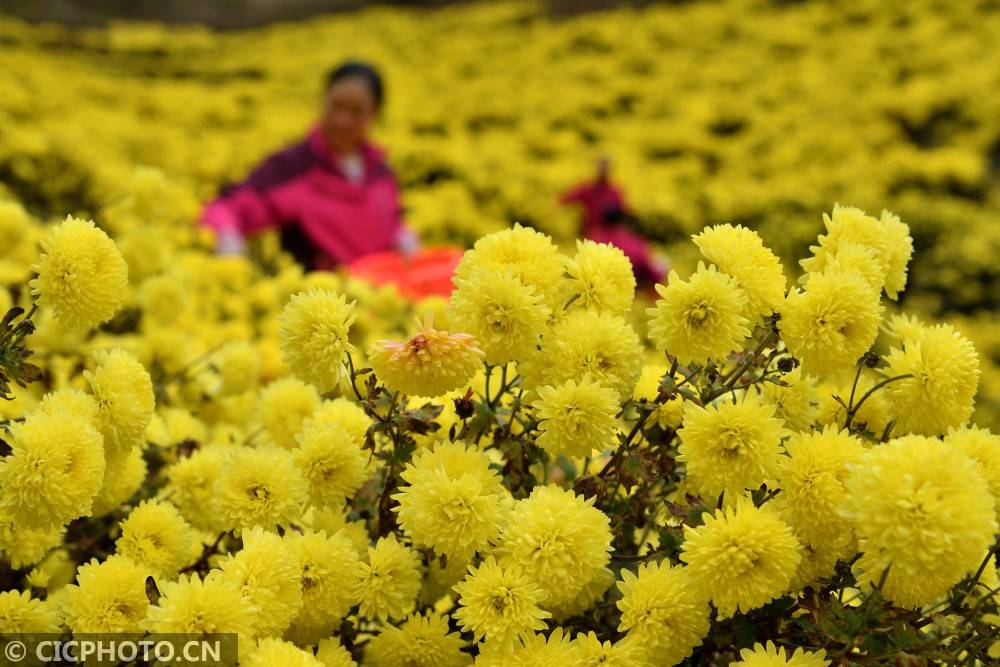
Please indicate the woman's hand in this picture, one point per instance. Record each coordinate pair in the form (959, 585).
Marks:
(228, 239)
(407, 242)
(230, 242)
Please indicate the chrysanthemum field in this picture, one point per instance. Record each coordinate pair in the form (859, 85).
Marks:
(781, 456)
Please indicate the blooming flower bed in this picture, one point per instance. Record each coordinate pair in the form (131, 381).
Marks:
(776, 459)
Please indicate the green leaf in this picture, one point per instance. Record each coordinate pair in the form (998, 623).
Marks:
(671, 540)
(14, 354)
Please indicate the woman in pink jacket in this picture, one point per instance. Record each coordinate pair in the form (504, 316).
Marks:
(332, 194)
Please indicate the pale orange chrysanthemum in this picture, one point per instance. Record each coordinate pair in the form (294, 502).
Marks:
(430, 363)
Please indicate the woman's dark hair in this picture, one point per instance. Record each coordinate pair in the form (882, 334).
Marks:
(355, 69)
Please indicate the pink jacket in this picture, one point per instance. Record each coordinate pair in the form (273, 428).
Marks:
(303, 190)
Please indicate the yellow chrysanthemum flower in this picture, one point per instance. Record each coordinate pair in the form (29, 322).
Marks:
(24, 546)
(81, 275)
(811, 479)
(872, 415)
(667, 414)
(922, 511)
(284, 404)
(333, 521)
(53, 572)
(830, 324)
(156, 536)
(146, 249)
(528, 254)
(238, 365)
(273, 651)
(442, 574)
(163, 300)
(329, 572)
(15, 224)
(587, 343)
(124, 394)
(107, 597)
(846, 224)
(344, 413)
(331, 461)
(22, 614)
(390, 580)
(72, 401)
(331, 653)
(942, 391)
(193, 605)
(530, 651)
(741, 558)
(662, 612)
(176, 425)
(796, 402)
(121, 480)
(259, 487)
(558, 539)
(583, 601)
(453, 502)
(430, 363)
(53, 472)
(818, 563)
(849, 257)
(904, 326)
(740, 253)
(314, 329)
(899, 250)
(592, 652)
(505, 315)
(772, 656)
(500, 604)
(887, 236)
(421, 641)
(190, 482)
(730, 446)
(600, 278)
(983, 447)
(269, 576)
(701, 318)
(576, 418)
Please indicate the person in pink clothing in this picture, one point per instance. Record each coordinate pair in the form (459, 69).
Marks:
(332, 195)
(605, 218)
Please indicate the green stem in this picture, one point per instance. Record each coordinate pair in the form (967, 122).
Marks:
(854, 385)
(513, 412)
(392, 406)
(851, 412)
(503, 385)
(955, 604)
(205, 356)
(888, 430)
(987, 640)
(354, 376)
(489, 372)
(615, 460)
(688, 378)
(735, 374)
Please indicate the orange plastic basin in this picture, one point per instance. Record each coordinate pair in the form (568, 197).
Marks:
(426, 273)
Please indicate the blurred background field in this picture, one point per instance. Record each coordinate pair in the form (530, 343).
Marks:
(742, 111)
